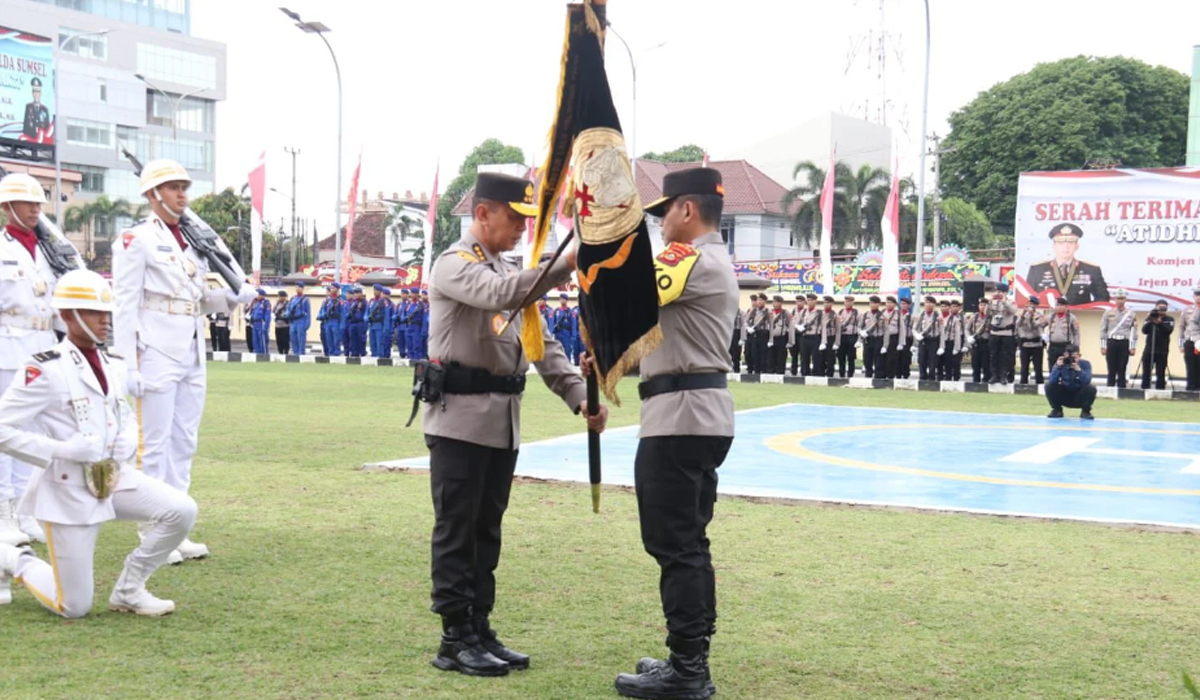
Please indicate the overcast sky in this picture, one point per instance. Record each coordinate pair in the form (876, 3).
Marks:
(428, 80)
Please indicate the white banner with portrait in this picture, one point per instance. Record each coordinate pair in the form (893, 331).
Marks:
(1083, 234)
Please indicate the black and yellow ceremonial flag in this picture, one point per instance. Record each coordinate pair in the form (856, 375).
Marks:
(618, 299)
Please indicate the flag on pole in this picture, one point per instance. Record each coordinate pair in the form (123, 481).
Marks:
(705, 158)
(258, 196)
(430, 226)
(827, 226)
(353, 200)
(889, 281)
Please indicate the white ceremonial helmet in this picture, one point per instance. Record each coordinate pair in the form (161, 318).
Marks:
(83, 289)
(20, 187)
(162, 171)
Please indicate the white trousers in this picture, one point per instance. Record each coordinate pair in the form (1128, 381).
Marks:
(169, 415)
(14, 474)
(65, 584)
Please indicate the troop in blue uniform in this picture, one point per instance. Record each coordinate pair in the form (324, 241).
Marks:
(260, 320)
(423, 331)
(412, 326)
(376, 320)
(330, 316)
(563, 326)
(389, 329)
(400, 327)
(356, 324)
(546, 312)
(299, 311)
(577, 339)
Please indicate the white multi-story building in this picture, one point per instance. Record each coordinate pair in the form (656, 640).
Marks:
(121, 88)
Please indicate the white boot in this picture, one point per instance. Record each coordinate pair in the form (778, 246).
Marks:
(130, 595)
(8, 571)
(10, 530)
(174, 557)
(29, 525)
(192, 550)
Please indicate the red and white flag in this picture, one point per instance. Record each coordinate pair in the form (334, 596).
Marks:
(705, 158)
(827, 226)
(258, 196)
(430, 225)
(889, 281)
(353, 200)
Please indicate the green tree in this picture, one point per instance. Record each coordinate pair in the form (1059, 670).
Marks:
(490, 152)
(868, 185)
(223, 211)
(404, 227)
(1061, 116)
(803, 201)
(963, 225)
(690, 153)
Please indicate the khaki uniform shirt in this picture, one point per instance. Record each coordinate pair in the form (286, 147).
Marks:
(693, 327)
(952, 333)
(1030, 325)
(1002, 316)
(928, 325)
(471, 292)
(1064, 329)
(831, 329)
(978, 328)
(1190, 325)
(780, 325)
(893, 326)
(848, 320)
(1119, 325)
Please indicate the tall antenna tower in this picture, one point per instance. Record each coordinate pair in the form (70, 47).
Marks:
(870, 58)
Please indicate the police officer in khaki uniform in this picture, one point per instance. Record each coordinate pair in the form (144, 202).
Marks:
(848, 322)
(780, 331)
(927, 331)
(978, 332)
(810, 337)
(687, 429)
(892, 339)
(904, 354)
(1002, 316)
(795, 340)
(1189, 341)
(831, 336)
(1062, 330)
(757, 320)
(1118, 339)
(473, 434)
(1031, 326)
(870, 330)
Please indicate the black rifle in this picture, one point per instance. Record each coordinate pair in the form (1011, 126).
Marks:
(60, 255)
(203, 240)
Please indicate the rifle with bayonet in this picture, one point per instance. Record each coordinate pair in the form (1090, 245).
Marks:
(60, 255)
(203, 240)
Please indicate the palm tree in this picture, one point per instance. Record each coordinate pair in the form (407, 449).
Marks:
(858, 188)
(400, 226)
(806, 219)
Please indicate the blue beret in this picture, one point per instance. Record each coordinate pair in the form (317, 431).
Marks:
(1002, 287)
(261, 292)
(300, 284)
(564, 295)
(377, 287)
(424, 292)
(387, 292)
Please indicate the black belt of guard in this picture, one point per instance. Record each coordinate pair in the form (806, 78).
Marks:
(670, 383)
(471, 380)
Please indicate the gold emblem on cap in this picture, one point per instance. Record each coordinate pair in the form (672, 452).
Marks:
(39, 288)
(105, 296)
(1066, 231)
(529, 194)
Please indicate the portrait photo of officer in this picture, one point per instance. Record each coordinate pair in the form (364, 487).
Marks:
(37, 116)
(1076, 281)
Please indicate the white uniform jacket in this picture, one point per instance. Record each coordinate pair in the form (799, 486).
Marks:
(27, 321)
(161, 294)
(57, 395)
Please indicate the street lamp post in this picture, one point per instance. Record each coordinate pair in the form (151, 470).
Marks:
(174, 107)
(919, 266)
(319, 29)
(292, 266)
(633, 70)
(57, 137)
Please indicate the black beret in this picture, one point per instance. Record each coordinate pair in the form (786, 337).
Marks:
(828, 299)
(892, 299)
(848, 298)
(930, 300)
(944, 302)
(874, 299)
(1034, 300)
(1066, 230)
(777, 298)
(812, 296)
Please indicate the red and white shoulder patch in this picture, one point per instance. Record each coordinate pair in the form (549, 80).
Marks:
(31, 374)
(126, 239)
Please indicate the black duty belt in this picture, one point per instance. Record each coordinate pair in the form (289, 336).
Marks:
(471, 380)
(670, 383)
(1003, 328)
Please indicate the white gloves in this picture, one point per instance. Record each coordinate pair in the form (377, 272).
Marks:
(858, 344)
(918, 336)
(822, 348)
(770, 343)
(941, 351)
(134, 384)
(800, 328)
(862, 334)
(79, 448)
(970, 340)
(883, 350)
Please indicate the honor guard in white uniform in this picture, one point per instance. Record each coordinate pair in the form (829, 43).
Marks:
(161, 300)
(27, 325)
(67, 413)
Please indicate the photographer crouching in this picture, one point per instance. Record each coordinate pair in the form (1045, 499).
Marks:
(1070, 384)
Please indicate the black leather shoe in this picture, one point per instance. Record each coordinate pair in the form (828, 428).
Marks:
(1087, 415)
(1056, 413)
(462, 651)
(684, 676)
(488, 640)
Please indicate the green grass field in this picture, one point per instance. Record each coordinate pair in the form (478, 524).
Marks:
(318, 583)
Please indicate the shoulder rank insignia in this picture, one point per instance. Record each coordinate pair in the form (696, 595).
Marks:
(46, 356)
(468, 256)
(672, 267)
(479, 252)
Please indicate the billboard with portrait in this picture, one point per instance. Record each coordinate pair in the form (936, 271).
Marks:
(27, 99)
(1084, 234)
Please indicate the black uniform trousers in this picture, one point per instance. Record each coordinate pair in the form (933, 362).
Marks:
(1059, 396)
(778, 355)
(927, 357)
(249, 337)
(950, 365)
(885, 362)
(981, 359)
(827, 357)
(470, 484)
(810, 361)
(760, 352)
(904, 361)
(1053, 352)
(1032, 356)
(1116, 356)
(220, 337)
(1192, 362)
(1159, 360)
(676, 482)
(795, 353)
(735, 350)
(1000, 350)
(283, 340)
(871, 348)
(846, 355)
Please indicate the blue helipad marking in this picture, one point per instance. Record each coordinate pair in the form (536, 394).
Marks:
(1107, 470)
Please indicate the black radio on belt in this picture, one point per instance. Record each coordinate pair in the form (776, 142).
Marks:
(432, 381)
(429, 382)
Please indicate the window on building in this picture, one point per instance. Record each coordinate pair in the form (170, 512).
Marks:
(82, 132)
(103, 90)
(194, 114)
(93, 177)
(176, 66)
(83, 46)
(728, 232)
